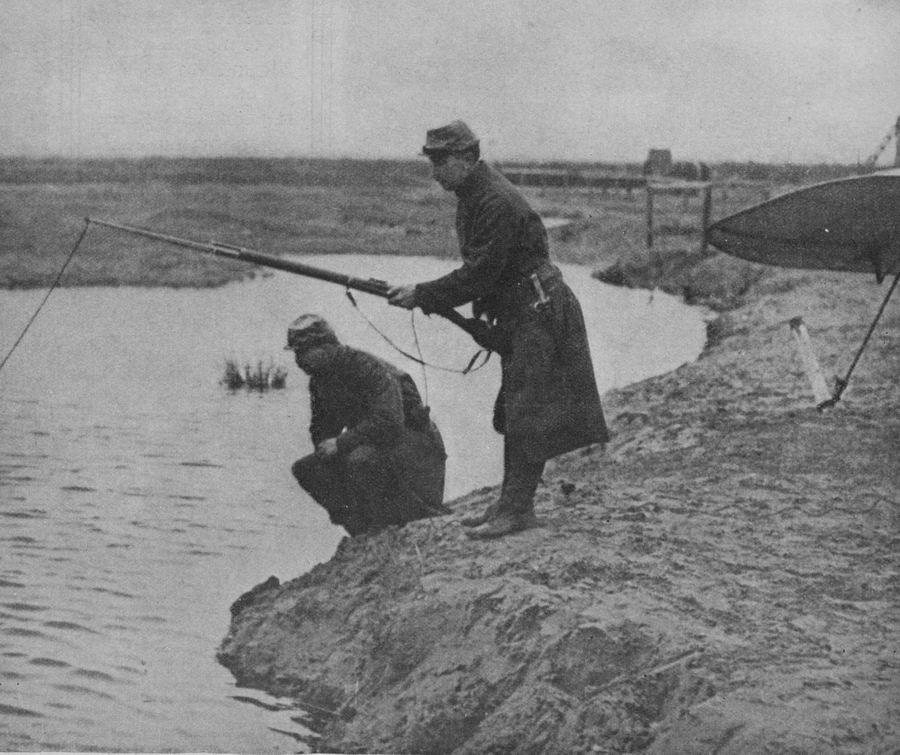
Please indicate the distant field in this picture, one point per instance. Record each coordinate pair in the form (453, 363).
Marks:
(290, 205)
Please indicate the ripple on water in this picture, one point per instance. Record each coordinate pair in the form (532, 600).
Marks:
(151, 619)
(48, 662)
(69, 626)
(22, 632)
(25, 607)
(12, 710)
(26, 514)
(61, 706)
(79, 689)
(100, 676)
(114, 593)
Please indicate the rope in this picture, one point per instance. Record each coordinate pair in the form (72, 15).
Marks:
(50, 291)
(415, 332)
(842, 382)
(470, 367)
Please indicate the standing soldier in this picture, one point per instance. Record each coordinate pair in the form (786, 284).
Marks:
(379, 458)
(548, 401)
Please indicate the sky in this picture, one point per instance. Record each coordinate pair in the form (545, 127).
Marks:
(598, 80)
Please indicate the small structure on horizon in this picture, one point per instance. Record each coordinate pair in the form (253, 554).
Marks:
(658, 162)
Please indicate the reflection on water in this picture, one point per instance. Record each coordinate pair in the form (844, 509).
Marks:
(139, 498)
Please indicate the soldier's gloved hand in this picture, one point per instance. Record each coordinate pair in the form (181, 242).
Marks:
(402, 296)
(327, 449)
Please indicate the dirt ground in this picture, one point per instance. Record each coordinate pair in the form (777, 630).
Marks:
(722, 577)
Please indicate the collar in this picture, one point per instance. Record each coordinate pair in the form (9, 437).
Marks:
(474, 181)
(327, 364)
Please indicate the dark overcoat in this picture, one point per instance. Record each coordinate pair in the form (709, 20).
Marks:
(548, 401)
(365, 401)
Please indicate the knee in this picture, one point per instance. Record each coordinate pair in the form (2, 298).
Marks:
(363, 458)
(305, 469)
(367, 468)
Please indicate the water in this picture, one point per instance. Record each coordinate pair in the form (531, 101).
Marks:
(139, 498)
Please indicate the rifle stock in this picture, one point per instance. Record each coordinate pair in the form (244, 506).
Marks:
(480, 331)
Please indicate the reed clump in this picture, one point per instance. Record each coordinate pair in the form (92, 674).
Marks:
(259, 377)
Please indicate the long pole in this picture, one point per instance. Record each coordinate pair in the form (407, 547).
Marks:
(479, 330)
(842, 382)
(367, 285)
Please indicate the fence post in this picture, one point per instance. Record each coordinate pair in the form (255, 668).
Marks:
(707, 213)
(649, 215)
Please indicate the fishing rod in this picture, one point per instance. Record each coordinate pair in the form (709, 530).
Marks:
(480, 331)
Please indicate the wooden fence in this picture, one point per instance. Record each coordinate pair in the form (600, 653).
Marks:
(653, 186)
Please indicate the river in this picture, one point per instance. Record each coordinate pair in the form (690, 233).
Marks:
(139, 497)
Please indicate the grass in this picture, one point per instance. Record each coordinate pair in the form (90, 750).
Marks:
(258, 377)
(328, 206)
(714, 280)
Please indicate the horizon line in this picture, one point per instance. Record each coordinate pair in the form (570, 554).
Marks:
(411, 159)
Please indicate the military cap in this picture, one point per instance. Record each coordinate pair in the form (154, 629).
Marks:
(454, 137)
(308, 331)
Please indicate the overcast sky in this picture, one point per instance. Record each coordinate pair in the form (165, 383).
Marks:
(782, 80)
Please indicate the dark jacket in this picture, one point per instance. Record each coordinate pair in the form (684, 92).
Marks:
(363, 400)
(390, 464)
(548, 401)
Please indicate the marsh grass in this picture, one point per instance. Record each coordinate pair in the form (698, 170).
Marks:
(304, 206)
(715, 280)
(259, 377)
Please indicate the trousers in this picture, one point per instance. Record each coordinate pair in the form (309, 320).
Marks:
(372, 488)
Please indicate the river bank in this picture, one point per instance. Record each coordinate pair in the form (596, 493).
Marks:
(723, 577)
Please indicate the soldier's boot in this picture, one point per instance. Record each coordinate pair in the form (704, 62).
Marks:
(504, 523)
(476, 520)
(514, 510)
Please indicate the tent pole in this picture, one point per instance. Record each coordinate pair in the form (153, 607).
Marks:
(841, 383)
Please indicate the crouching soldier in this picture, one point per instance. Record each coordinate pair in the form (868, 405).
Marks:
(379, 458)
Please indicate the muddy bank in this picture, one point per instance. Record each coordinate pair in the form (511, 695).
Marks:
(722, 577)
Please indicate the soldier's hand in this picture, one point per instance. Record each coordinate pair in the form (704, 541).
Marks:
(402, 296)
(327, 449)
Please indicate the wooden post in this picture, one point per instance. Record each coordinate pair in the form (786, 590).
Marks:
(649, 215)
(704, 220)
(897, 143)
(810, 363)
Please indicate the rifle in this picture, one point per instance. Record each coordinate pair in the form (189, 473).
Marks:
(480, 331)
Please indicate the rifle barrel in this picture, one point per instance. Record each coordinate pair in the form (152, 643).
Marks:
(475, 328)
(367, 285)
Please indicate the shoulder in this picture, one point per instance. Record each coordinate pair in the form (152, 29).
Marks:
(499, 195)
(364, 364)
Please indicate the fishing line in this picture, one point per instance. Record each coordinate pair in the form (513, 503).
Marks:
(50, 291)
(470, 367)
(415, 332)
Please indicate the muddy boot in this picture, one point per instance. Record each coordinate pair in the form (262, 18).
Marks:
(504, 524)
(476, 520)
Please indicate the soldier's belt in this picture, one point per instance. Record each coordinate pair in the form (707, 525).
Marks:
(535, 288)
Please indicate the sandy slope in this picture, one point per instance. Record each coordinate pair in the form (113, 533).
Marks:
(722, 578)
